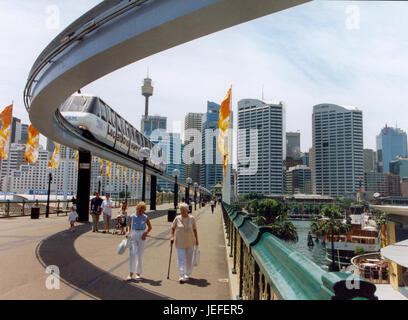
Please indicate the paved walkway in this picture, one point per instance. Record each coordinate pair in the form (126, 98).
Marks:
(90, 268)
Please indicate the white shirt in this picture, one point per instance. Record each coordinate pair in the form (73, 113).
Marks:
(107, 207)
(73, 215)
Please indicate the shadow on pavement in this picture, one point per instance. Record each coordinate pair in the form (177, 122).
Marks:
(86, 277)
(198, 282)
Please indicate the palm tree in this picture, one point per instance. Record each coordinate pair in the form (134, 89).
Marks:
(274, 214)
(332, 226)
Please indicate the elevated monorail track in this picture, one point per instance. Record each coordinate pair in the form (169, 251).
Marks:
(112, 35)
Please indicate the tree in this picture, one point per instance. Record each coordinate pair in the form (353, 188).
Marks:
(332, 226)
(273, 213)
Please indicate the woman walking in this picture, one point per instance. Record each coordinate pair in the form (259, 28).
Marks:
(136, 231)
(184, 234)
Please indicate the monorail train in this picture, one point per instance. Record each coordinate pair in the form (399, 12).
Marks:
(99, 121)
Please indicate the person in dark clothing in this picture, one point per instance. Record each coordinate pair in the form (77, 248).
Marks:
(96, 209)
(73, 200)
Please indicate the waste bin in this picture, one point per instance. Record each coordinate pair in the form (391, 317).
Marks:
(35, 212)
(171, 215)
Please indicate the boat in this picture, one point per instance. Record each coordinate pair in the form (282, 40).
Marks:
(364, 237)
(372, 267)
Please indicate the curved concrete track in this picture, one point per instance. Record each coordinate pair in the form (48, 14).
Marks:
(117, 33)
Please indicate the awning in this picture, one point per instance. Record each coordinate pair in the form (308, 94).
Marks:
(397, 252)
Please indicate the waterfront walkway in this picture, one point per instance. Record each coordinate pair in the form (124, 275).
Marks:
(90, 268)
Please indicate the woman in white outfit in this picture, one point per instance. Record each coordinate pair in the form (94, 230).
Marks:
(136, 230)
(184, 232)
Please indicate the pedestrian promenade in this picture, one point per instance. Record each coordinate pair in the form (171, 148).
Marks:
(90, 268)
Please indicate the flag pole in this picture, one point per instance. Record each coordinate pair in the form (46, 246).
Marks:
(7, 187)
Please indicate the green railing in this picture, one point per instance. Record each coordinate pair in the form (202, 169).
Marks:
(269, 269)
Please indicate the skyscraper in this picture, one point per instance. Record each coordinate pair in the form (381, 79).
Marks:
(337, 149)
(192, 134)
(211, 171)
(15, 130)
(391, 143)
(299, 180)
(24, 133)
(261, 147)
(293, 145)
(151, 123)
(370, 162)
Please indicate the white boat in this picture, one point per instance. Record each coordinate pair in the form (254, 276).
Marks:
(364, 237)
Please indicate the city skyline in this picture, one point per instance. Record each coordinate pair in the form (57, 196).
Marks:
(286, 45)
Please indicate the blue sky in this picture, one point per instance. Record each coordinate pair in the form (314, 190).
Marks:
(303, 56)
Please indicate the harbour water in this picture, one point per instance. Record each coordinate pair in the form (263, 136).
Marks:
(315, 253)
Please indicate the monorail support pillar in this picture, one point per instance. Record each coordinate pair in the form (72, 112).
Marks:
(153, 189)
(84, 185)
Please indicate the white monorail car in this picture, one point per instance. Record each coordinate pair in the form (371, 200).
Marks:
(95, 118)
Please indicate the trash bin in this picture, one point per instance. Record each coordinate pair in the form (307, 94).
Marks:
(35, 212)
(203, 204)
(171, 215)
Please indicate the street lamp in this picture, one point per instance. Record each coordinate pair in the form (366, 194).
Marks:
(144, 153)
(189, 181)
(201, 192)
(99, 178)
(176, 173)
(195, 195)
(47, 210)
(126, 192)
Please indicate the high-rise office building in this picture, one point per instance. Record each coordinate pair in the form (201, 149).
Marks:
(299, 180)
(399, 167)
(305, 159)
(293, 145)
(370, 163)
(15, 130)
(384, 183)
(151, 123)
(172, 148)
(391, 143)
(261, 147)
(337, 149)
(192, 134)
(24, 133)
(211, 171)
(16, 158)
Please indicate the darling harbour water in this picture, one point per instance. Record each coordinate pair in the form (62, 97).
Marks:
(315, 253)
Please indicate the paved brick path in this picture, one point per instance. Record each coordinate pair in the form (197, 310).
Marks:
(91, 269)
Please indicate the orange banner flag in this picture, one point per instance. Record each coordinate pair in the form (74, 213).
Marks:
(5, 131)
(117, 172)
(125, 174)
(133, 176)
(101, 161)
(55, 158)
(108, 169)
(223, 124)
(33, 141)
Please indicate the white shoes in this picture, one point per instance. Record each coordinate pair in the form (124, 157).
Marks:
(137, 277)
(128, 278)
(186, 277)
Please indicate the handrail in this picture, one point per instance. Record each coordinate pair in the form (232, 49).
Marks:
(268, 268)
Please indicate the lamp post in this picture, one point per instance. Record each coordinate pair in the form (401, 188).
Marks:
(195, 195)
(144, 153)
(126, 193)
(201, 199)
(176, 173)
(99, 178)
(188, 180)
(47, 210)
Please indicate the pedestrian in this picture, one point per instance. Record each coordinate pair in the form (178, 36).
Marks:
(96, 209)
(73, 200)
(184, 234)
(72, 217)
(122, 218)
(136, 231)
(212, 206)
(107, 206)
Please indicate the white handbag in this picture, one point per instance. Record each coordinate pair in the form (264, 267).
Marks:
(196, 256)
(125, 243)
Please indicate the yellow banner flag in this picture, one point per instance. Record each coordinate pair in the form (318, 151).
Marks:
(133, 176)
(383, 237)
(223, 124)
(55, 158)
(101, 161)
(5, 131)
(147, 179)
(108, 169)
(33, 141)
(77, 160)
(117, 172)
(125, 174)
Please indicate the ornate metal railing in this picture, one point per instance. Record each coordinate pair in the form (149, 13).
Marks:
(269, 269)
